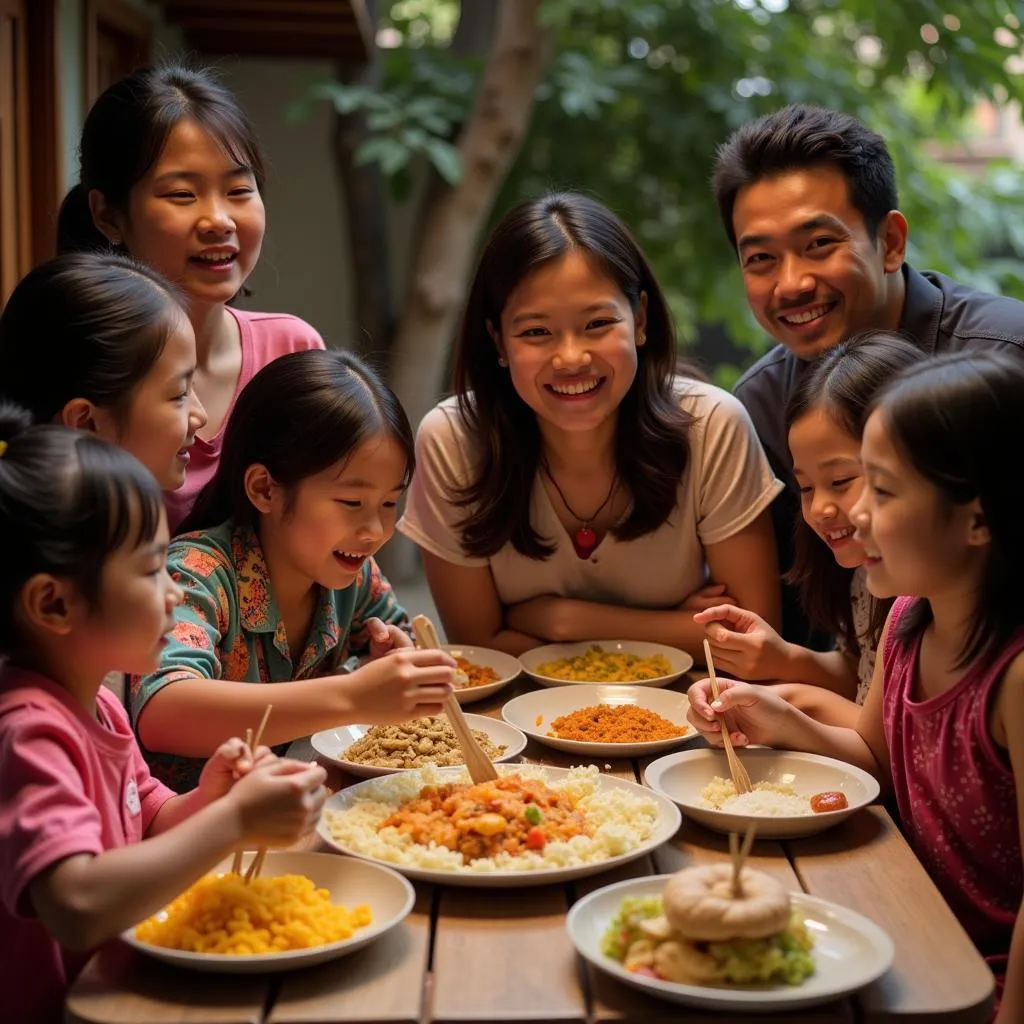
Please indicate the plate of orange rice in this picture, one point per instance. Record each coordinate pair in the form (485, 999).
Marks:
(303, 909)
(603, 721)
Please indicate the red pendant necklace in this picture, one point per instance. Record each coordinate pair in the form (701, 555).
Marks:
(584, 540)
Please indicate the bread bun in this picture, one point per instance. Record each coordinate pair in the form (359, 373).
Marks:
(700, 905)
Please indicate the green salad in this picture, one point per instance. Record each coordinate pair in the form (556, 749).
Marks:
(785, 957)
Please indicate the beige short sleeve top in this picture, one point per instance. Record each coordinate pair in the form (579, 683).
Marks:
(727, 484)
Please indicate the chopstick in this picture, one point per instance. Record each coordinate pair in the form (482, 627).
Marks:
(236, 863)
(739, 855)
(257, 862)
(740, 777)
(479, 764)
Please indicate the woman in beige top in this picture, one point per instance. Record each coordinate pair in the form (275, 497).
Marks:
(577, 487)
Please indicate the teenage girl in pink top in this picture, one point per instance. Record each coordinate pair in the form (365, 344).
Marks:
(90, 842)
(172, 172)
(944, 720)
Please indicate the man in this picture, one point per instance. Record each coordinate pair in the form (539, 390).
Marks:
(808, 200)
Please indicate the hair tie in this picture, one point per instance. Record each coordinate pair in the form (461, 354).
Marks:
(3, 448)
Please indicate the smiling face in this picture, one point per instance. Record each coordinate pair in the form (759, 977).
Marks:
(570, 338)
(338, 518)
(826, 461)
(128, 628)
(812, 272)
(915, 543)
(196, 216)
(164, 414)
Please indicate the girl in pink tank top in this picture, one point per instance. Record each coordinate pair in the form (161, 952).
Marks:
(944, 719)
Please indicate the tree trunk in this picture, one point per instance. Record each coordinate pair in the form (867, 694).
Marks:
(448, 244)
(364, 196)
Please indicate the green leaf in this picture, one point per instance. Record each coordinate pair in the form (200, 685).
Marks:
(447, 160)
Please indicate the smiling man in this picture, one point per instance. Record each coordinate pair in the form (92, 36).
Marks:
(808, 200)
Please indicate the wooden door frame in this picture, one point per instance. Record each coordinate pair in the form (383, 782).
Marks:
(46, 150)
(119, 16)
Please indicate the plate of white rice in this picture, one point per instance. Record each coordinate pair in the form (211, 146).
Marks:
(628, 821)
(698, 781)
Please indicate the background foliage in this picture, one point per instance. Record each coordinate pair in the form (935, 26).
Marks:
(639, 95)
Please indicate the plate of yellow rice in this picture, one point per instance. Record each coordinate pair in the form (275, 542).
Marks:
(605, 662)
(303, 909)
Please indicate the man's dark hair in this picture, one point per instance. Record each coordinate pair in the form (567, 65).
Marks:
(796, 138)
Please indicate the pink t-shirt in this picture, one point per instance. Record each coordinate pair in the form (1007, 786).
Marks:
(69, 784)
(265, 336)
(956, 791)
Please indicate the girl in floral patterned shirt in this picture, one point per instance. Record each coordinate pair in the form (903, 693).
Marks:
(939, 521)
(278, 573)
(825, 419)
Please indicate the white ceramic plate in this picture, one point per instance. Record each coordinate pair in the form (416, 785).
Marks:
(333, 743)
(534, 712)
(681, 777)
(507, 667)
(350, 883)
(665, 826)
(679, 661)
(850, 951)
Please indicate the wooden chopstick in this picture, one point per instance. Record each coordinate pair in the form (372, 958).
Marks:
(479, 764)
(740, 777)
(256, 864)
(236, 863)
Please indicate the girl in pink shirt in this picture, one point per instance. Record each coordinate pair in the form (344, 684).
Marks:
(90, 842)
(944, 719)
(171, 172)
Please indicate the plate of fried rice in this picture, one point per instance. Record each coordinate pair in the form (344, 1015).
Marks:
(482, 672)
(303, 909)
(531, 826)
(603, 721)
(606, 661)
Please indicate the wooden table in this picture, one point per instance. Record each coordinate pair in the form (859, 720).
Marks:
(495, 956)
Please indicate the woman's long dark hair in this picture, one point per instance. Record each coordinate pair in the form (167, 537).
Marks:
(125, 132)
(84, 325)
(842, 383)
(651, 447)
(299, 415)
(956, 418)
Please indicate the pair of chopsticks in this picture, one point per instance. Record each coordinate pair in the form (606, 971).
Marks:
(479, 764)
(740, 777)
(257, 861)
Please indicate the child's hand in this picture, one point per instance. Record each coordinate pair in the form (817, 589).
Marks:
(744, 644)
(279, 801)
(385, 638)
(408, 683)
(230, 762)
(755, 713)
(711, 596)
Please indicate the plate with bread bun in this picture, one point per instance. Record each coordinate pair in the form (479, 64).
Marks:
(723, 938)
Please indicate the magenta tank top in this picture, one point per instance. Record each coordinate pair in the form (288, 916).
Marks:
(955, 790)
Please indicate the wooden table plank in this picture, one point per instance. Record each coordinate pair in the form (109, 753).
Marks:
(121, 986)
(383, 982)
(504, 955)
(866, 865)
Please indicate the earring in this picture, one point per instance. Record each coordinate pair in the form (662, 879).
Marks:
(502, 361)
(115, 241)
(641, 337)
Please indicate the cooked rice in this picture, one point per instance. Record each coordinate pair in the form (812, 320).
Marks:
(768, 799)
(621, 821)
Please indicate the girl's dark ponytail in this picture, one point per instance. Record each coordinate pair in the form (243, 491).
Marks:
(76, 230)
